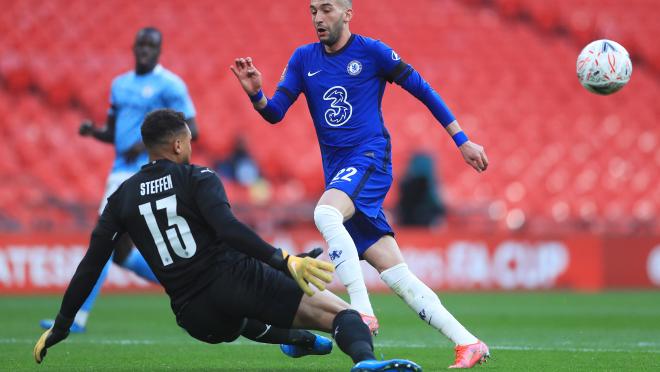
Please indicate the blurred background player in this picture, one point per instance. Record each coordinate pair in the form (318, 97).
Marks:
(133, 95)
(420, 203)
(239, 166)
(218, 273)
(343, 78)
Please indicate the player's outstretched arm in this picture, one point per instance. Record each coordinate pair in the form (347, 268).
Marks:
(250, 79)
(413, 82)
(213, 204)
(274, 108)
(84, 279)
(303, 270)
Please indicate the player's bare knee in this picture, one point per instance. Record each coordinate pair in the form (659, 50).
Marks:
(383, 263)
(384, 254)
(338, 200)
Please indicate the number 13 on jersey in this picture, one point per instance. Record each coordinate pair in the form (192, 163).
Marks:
(184, 246)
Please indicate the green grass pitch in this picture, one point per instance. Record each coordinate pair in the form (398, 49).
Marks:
(551, 331)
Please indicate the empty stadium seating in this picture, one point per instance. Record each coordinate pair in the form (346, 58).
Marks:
(561, 158)
(633, 24)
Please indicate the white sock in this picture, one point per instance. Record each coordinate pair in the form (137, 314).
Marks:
(344, 256)
(81, 318)
(425, 303)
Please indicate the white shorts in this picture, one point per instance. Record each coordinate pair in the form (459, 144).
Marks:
(115, 179)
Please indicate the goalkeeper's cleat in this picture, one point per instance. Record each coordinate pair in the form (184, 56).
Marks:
(322, 346)
(467, 356)
(392, 365)
(372, 322)
(75, 327)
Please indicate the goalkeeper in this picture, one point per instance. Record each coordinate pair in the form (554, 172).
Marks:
(223, 280)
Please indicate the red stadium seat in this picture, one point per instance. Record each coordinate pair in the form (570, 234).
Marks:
(570, 154)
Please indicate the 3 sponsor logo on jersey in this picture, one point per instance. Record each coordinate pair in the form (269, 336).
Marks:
(340, 109)
(354, 67)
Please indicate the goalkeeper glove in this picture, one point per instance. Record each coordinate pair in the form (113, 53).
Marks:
(304, 270)
(58, 332)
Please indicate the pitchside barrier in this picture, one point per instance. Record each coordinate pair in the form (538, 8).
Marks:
(445, 261)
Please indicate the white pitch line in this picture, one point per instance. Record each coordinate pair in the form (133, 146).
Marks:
(635, 348)
(80, 341)
(575, 349)
(128, 342)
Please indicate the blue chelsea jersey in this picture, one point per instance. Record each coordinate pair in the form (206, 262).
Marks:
(344, 89)
(132, 97)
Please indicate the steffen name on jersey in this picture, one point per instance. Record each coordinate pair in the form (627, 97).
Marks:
(156, 186)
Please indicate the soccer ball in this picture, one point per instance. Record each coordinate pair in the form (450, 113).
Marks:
(604, 67)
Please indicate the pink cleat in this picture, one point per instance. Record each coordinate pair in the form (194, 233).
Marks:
(469, 355)
(372, 322)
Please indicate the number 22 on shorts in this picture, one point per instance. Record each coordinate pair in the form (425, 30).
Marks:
(345, 174)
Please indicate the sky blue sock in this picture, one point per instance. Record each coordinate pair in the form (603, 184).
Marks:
(89, 302)
(136, 263)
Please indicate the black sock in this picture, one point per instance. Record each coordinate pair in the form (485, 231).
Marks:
(267, 334)
(353, 336)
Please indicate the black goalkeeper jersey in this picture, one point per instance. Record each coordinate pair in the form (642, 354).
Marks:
(178, 216)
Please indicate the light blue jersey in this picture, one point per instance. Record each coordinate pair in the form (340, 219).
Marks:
(132, 97)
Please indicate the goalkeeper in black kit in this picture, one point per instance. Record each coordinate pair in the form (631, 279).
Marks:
(223, 280)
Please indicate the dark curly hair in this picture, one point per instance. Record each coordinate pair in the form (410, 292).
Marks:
(160, 126)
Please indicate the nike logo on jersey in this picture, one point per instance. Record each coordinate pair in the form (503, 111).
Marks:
(309, 73)
(206, 170)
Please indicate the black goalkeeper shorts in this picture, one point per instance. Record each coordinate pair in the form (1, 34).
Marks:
(247, 289)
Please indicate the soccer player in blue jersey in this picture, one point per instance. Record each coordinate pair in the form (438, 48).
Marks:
(343, 77)
(133, 95)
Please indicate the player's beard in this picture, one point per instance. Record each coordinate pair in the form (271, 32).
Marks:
(334, 33)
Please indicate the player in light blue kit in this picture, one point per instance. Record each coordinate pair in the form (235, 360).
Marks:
(343, 78)
(133, 95)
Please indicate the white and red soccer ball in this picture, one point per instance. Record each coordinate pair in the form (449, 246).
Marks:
(604, 67)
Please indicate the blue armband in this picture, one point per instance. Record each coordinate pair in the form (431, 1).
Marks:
(257, 97)
(459, 138)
